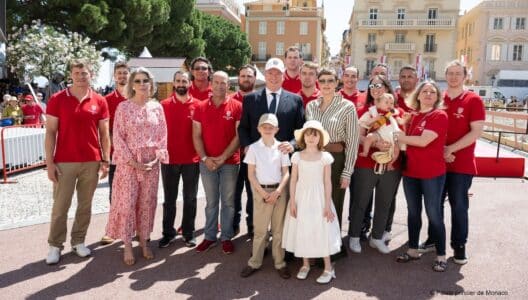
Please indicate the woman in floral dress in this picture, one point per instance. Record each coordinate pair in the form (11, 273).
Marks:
(140, 143)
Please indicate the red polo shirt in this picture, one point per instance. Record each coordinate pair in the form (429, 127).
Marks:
(427, 162)
(78, 134)
(32, 113)
(200, 95)
(306, 99)
(461, 111)
(358, 98)
(238, 97)
(290, 84)
(113, 99)
(219, 125)
(401, 103)
(179, 116)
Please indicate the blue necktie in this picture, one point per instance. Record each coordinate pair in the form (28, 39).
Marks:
(273, 104)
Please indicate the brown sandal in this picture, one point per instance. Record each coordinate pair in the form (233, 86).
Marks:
(406, 257)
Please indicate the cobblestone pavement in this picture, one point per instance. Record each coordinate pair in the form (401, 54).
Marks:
(28, 201)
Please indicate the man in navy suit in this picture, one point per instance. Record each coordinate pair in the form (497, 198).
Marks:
(272, 99)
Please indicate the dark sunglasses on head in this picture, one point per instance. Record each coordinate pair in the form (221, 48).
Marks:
(376, 85)
(200, 68)
(141, 81)
(323, 81)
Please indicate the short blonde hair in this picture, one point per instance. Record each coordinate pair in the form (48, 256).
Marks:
(129, 91)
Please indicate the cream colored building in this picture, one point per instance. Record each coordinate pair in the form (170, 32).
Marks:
(227, 9)
(274, 25)
(399, 31)
(493, 36)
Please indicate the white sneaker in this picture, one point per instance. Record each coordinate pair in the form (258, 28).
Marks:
(380, 245)
(326, 277)
(81, 250)
(354, 245)
(53, 255)
(387, 237)
(303, 273)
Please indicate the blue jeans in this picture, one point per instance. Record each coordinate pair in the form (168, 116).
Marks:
(219, 185)
(456, 188)
(431, 191)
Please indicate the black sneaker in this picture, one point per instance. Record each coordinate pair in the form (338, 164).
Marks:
(460, 255)
(166, 241)
(190, 242)
(426, 247)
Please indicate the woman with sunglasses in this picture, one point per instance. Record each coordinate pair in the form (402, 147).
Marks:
(339, 118)
(140, 143)
(365, 180)
(425, 173)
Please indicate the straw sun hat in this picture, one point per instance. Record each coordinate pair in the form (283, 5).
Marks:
(314, 124)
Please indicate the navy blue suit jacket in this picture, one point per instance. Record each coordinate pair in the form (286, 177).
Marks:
(290, 114)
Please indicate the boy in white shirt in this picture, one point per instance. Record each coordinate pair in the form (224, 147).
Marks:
(268, 174)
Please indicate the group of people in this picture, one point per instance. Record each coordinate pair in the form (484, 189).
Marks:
(17, 113)
(295, 146)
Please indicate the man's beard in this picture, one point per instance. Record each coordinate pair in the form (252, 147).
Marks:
(246, 86)
(181, 90)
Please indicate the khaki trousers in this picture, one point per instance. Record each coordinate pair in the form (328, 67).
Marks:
(82, 177)
(263, 215)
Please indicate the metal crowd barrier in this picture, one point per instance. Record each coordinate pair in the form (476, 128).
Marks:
(22, 148)
(504, 127)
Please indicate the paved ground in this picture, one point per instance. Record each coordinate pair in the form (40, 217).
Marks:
(497, 250)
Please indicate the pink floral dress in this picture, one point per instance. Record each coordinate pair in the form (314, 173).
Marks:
(140, 134)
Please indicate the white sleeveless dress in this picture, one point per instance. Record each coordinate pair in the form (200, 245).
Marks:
(310, 235)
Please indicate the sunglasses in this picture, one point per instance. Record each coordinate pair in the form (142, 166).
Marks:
(201, 68)
(324, 81)
(139, 81)
(376, 85)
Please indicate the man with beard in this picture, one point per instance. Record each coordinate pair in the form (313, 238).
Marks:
(201, 71)
(408, 80)
(183, 162)
(350, 90)
(246, 83)
(309, 90)
(113, 99)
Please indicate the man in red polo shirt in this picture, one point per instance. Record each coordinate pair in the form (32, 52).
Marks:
(183, 162)
(246, 83)
(33, 113)
(309, 90)
(76, 130)
(350, 90)
(201, 70)
(215, 139)
(408, 80)
(466, 115)
(293, 62)
(121, 71)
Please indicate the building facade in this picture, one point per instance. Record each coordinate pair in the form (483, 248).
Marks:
(415, 32)
(227, 9)
(493, 36)
(274, 25)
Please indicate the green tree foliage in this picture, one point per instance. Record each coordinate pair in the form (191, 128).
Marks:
(226, 46)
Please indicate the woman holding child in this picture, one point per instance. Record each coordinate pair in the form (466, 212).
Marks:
(424, 175)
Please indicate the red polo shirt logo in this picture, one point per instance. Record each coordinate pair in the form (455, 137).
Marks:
(459, 114)
(228, 115)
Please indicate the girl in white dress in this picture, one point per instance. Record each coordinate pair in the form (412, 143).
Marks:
(311, 229)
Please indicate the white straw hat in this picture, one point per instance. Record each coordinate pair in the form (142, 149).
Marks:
(314, 124)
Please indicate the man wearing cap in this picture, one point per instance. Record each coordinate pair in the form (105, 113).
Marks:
(33, 113)
(268, 173)
(274, 99)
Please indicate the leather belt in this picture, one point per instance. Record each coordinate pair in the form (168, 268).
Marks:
(335, 147)
(270, 186)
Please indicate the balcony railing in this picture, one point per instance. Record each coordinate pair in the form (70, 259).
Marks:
(400, 47)
(407, 23)
(371, 48)
(430, 47)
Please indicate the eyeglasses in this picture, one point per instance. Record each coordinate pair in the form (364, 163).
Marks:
(376, 85)
(324, 81)
(200, 68)
(139, 81)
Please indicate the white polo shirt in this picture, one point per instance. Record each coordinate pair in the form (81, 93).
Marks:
(268, 161)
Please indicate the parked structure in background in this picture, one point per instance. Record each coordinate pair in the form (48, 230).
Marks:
(227, 9)
(493, 40)
(416, 32)
(274, 25)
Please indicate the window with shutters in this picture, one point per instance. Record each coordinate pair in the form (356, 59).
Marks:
(495, 52)
(373, 14)
(280, 28)
(279, 49)
(497, 23)
(517, 52)
(262, 50)
(303, 29)
(263, 27)
(519, 23)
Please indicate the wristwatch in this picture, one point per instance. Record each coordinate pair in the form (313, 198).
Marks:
(204, 158)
